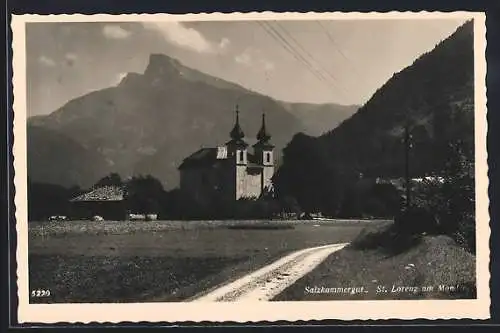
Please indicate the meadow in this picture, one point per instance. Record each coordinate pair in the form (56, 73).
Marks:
(139, 261)
(391, 266)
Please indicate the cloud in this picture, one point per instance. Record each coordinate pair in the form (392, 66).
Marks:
(70, 56)
(223, 44)
(253, 57)
(46, 61)
(188, 38)
(268, 66)
(244, 58)
(114, 31)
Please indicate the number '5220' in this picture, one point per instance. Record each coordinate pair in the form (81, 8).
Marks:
(40, 293)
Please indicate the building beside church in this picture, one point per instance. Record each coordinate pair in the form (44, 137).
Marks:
(231, 171)
(105, 201)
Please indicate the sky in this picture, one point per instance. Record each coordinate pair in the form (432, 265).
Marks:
(342, 61)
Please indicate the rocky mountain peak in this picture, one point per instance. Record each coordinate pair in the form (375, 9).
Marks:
(161, 64)
(129, 78)
(149, 122)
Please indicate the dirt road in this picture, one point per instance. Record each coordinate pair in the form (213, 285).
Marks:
(269, 281)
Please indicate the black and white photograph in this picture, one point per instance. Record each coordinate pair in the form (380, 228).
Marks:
(274, 159)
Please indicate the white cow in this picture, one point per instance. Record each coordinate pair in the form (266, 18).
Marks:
(58, 218)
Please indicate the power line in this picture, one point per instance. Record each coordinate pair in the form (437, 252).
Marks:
(305, 51)
(287, 47)
(297, 53)
(336, 46)
(294, 50)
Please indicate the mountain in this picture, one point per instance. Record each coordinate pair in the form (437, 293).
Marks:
(57, 159)
(149, 122)
(434, 97)
(320, 118)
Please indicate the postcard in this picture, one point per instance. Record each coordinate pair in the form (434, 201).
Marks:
(250, 167)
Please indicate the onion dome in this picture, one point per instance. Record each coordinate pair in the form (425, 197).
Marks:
(262, 135)
(237, 133)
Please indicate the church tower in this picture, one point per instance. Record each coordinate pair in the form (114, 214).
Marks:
(237, 147)
(237, 152)
(263, 151)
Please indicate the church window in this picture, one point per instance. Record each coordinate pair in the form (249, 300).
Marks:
(268, 157)
(242, 156)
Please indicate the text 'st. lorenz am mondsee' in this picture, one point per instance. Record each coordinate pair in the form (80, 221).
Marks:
(380, 289)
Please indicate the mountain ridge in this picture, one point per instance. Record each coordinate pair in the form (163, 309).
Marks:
(433, 97)
(149, 122)
(441, 101)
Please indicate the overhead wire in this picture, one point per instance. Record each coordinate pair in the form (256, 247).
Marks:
(336, 46)
(318, 64)
(285, 44)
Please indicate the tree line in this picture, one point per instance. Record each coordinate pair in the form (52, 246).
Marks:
(146, 195)
(323, 188)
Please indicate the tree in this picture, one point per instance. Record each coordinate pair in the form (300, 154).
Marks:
(143, 195)
(307, 175)
(384, 200)
(113, 179)
(45, 200)
(290, 205)
(451, 198)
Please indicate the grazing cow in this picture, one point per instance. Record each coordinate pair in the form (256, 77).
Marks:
(57, 218)
(135, 217)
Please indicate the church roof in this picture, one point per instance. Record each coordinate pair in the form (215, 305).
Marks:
(237, 143)
(263, 144)
(263, 135)
(252, 159)
(201, 158)
(207, 157)
(104, 193)
(237, 133)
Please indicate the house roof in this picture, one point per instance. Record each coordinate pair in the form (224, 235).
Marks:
(104, 193)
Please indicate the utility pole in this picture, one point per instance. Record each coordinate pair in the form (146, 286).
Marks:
(408, 145)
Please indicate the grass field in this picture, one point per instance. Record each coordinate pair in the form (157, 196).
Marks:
(430, 267)
(116, 261)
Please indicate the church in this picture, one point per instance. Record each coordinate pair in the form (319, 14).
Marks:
(230, 172)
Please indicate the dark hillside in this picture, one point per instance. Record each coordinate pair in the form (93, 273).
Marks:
(435, 95)
(149, 122)
(57, 159)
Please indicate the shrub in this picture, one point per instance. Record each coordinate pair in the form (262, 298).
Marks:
(450, 199)
(416, 220)
(465, 235)
(46, 200)
(143, 194)
(387, 237)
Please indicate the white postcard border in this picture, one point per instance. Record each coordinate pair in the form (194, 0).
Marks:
(251, 311)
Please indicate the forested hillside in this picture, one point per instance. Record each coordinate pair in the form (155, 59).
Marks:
(434, 96)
